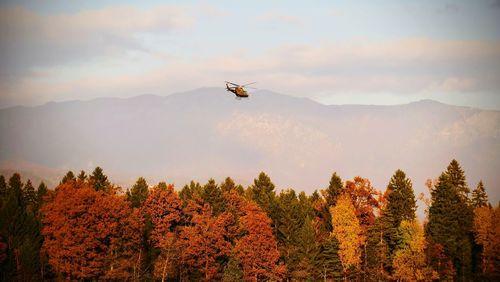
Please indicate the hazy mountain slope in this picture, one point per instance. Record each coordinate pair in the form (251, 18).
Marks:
(207, 133)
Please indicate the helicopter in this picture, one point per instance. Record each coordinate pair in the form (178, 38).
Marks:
(238, 90)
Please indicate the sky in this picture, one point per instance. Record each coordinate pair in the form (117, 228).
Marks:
(334, 52)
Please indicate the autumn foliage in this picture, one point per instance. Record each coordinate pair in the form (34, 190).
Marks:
(88, 229)
(90, 234)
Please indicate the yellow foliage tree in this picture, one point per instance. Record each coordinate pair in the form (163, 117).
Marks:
(409, 260)
(347, 230)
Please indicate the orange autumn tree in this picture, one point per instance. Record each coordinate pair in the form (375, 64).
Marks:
(202, 242)
(364, 198)
(90, 234)
(163, 209)
(257, 249)
(486, 227)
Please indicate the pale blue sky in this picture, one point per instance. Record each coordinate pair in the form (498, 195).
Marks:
(335, 52)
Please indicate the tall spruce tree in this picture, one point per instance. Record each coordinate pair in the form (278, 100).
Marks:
(69, 176)
(29, 195)
(334, 189)
(308, 253)
(331, 265)
(138, 193)
(82, 177)
(479, 196)
(3, 187)
(262, 192)
(212, 194)
(449, 223)
(99, 180)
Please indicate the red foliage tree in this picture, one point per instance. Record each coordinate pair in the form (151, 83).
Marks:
(163, 208)
(364, 198)
(257, 249)
(202, 242)
(90, 234)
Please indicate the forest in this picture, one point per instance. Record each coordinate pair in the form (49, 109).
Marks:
(88, 229)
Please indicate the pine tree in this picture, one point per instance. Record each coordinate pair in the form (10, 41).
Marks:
(479, 196)
(29, 195)
(212, 194)
(69, 176)
(377, 251)
(99, 180)
(228, 185)
(308, 253)
(330, 259)
(262, 192)
(138, 193)
(449, 223)
(457, 180)
(334, 189)
(41, 191)
(3, 187)
(401, 205)
(82, 177)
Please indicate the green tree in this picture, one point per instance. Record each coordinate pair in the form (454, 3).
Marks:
(21, 231)
(138, 193)
(99, 180)
(3, 187)
(334, 189)
(228, 185)
(263, 194)
(449, 223)
(69, 176)
(330, 259)
(29, 195)
(308, 253)
(82, 177)
(479, 196)
(41, 191)
(212, 194)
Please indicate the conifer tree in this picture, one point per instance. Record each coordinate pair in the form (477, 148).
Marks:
(69, 176)
(41, 191)
(228, 185)
(29, 194)
(138, 193)
(82, 177)
(308, 253)
(212, 194)
(479, 196)
(3, 187)
(449, 223)
(330, 259)
(334, 189)
(99, 180)
(263, 194)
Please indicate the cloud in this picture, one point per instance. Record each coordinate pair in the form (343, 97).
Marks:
(29, 40)
(410, 66)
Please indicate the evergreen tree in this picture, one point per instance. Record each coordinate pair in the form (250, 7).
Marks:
(228, 185)
(3, 187)
(449, 223)
(334, 189)
(138, 193)
(162, 185)
(29, 194)
(262, 192)
(21, 231)
(479, 196)
(99, 180)
(82, 177)
(190, 192)
(330, 260)
(212, 194)
(308, 253)
(69, 176)
(457, 180)
(401, 205)
(40, 193)
(377, 251)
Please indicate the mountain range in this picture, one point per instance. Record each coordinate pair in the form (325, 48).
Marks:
(207, 133)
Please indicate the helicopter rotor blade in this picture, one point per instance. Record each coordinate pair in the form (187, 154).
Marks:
(232, 83)
(249, 83)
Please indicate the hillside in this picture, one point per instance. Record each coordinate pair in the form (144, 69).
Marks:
(207, 133)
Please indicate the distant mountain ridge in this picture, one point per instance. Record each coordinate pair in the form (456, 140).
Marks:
(207, 133)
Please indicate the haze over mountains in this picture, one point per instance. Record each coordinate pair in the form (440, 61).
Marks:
(207, 133)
